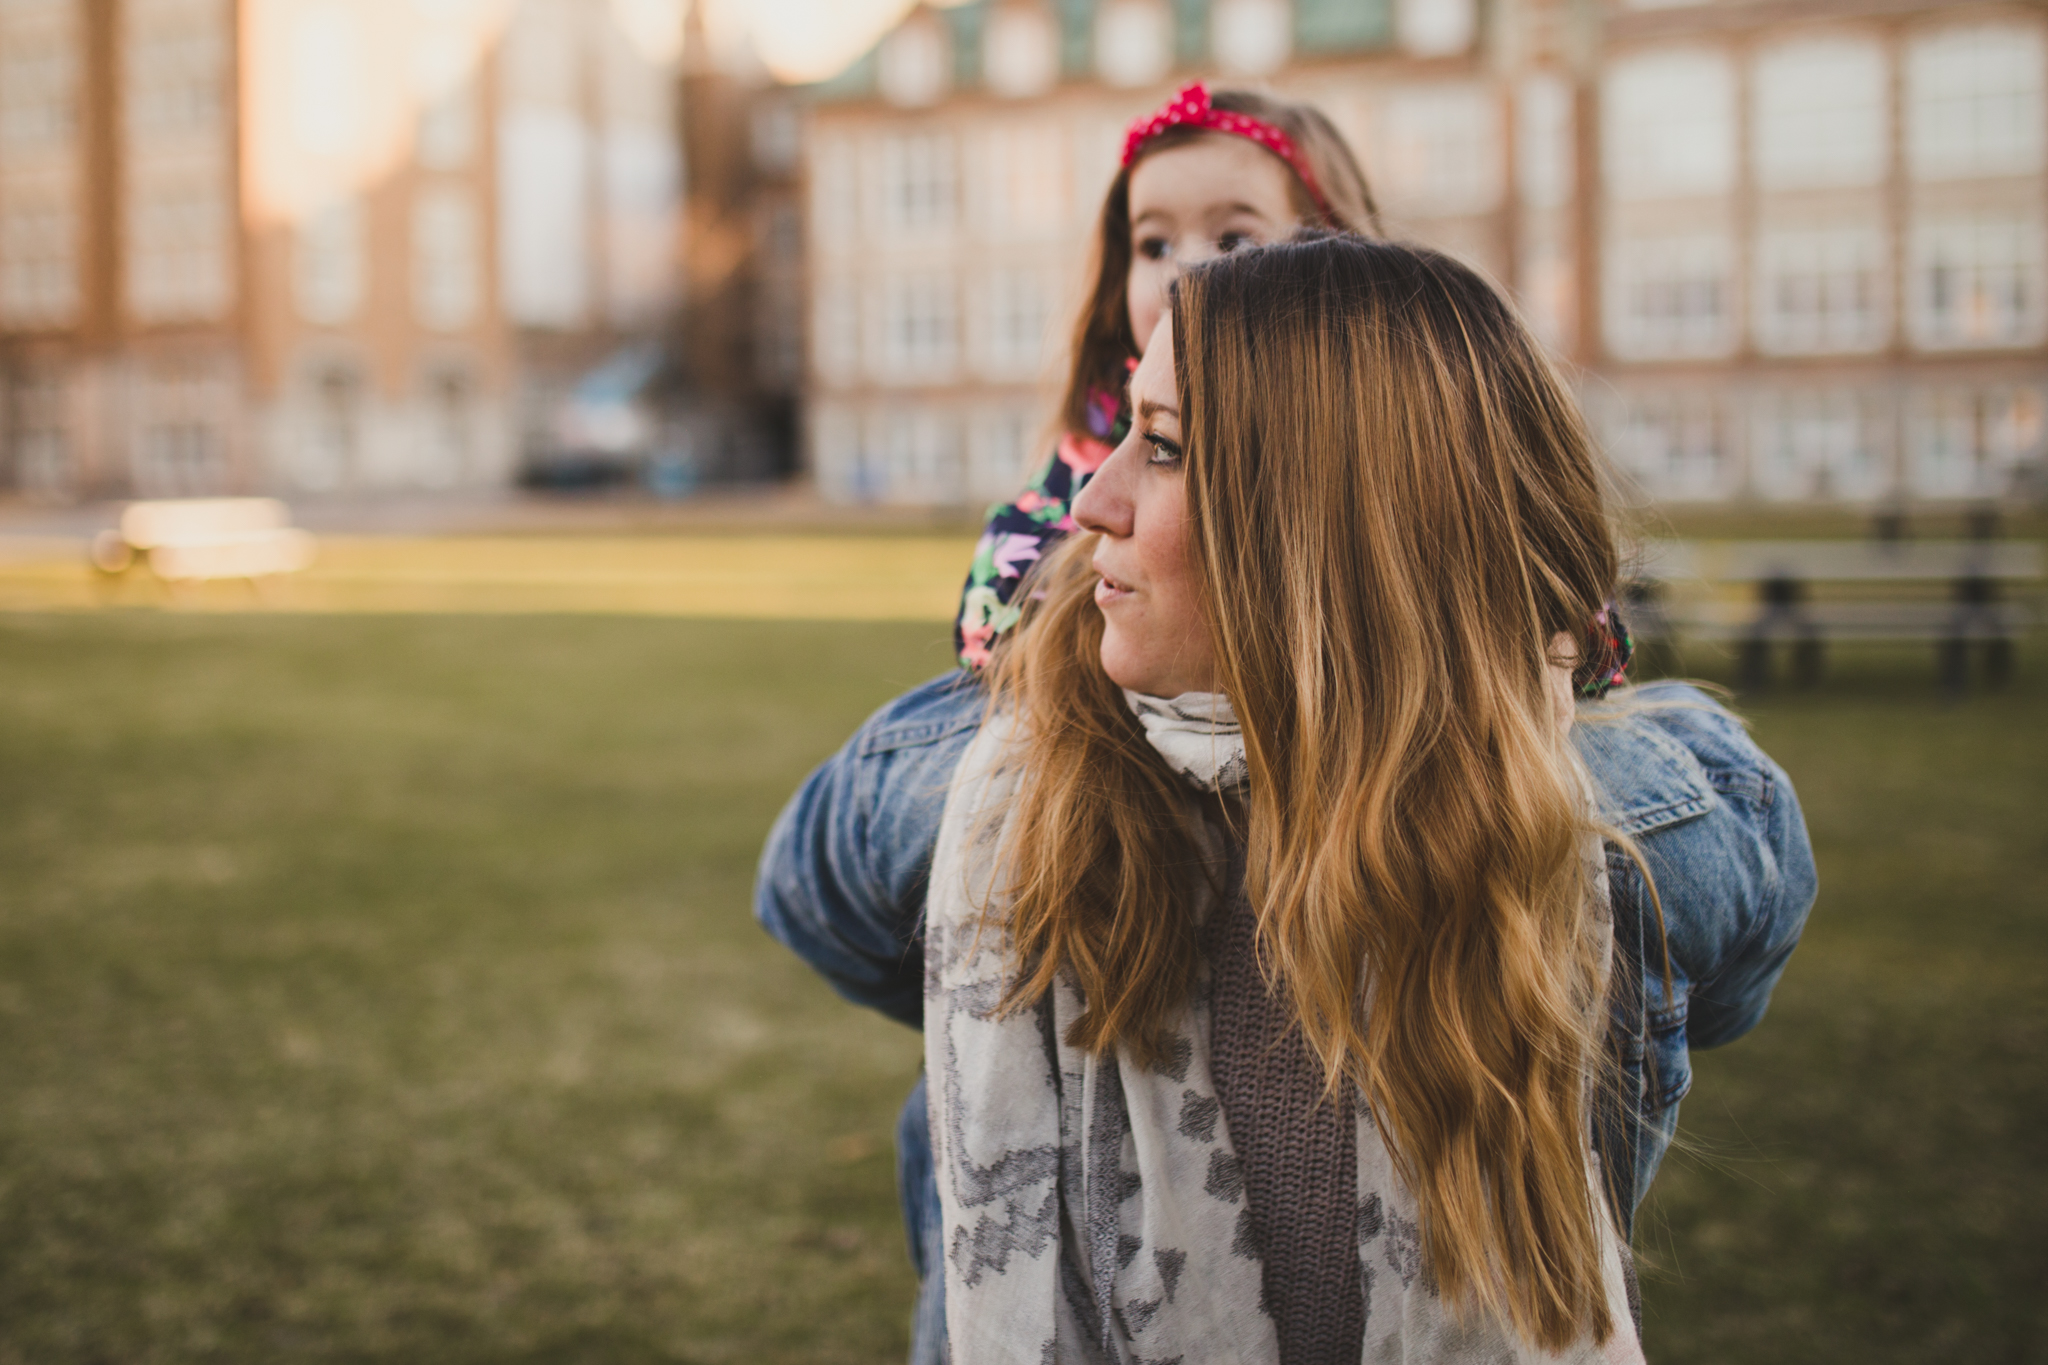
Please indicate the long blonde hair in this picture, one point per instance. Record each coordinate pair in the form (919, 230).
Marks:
(1396, 505)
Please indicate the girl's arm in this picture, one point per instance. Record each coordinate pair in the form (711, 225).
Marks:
(842, 879)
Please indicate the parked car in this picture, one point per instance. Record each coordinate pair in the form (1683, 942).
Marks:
(612, 429)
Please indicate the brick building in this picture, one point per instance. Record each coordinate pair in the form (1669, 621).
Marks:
(1794, 248)
(316, 245)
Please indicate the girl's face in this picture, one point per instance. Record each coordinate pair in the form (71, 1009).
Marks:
(1195, 201)
(1154, 639)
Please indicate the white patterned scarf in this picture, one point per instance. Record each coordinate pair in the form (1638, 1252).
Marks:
(1198, 736)
(1091, 1214)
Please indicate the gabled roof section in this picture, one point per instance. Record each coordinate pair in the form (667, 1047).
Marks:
(1322, 28)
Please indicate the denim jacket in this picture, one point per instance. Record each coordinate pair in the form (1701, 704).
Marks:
(843, 877)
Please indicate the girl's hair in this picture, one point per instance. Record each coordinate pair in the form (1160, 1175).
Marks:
(1395, 506)
(1102, 334)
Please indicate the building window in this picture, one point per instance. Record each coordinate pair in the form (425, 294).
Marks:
(835, 190)
(1020, 54)
(180, 245)
(179, 228)
(329, 452)
(1547, 286)
(179, 459)
(1023, 180)
(1821, 291)
(914, 64)
(1441, 151)
(918, 183)
(1979, 282)
(1819, 114)
(38, 252)
(445, 269)
(1436, 28)
(835, 331)
(40, 53)
(544, 214)
(1133, 42)
(1251, 37)
(1670, 298)
(640, 174)
(1674, 445)
(1000, 450)
(1823, 444)
(327, 278)
(779, 337)
(1668, 125)
(327, 77)
(837, 460)
(175, 68)
(1974, 102)
(1546, 164)
(38, 446)
(447, 428)
(1965, 443)
(40, 50)
(445, 139)
(1019, 312)
(919, 456)
(920, 326)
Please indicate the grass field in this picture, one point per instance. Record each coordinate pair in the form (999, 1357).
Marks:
(382, 988)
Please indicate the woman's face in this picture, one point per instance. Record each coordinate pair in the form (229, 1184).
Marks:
(1154, 639)
(1195, 201)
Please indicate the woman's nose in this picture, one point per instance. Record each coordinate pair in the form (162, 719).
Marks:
(1103, 505)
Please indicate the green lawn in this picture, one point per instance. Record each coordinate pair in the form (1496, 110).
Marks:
(383, 989)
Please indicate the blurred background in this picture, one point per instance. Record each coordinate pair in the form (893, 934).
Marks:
(592, 404)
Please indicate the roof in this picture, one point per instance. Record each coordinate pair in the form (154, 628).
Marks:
(1322, 28)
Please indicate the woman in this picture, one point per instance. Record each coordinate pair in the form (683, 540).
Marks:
(1357, 508)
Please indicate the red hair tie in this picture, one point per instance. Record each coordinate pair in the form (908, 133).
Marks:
(1191, 109)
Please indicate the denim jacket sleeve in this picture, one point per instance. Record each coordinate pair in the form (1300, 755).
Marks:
(842, 878)
(1719, 826)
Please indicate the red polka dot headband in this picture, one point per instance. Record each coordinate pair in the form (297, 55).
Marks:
(1191, 109)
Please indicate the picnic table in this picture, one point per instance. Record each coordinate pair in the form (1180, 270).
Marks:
(1802, 595)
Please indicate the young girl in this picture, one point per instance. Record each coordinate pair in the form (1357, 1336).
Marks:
(1207, 174)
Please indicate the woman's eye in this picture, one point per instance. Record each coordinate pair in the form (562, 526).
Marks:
(1163, 450)
(1152, 248)
(1231, 241)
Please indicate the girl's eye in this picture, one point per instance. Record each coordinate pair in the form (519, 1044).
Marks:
(1152, 248)
(1164, 452)
(1231, 241)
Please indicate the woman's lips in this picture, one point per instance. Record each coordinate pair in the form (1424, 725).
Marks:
(1109, 591)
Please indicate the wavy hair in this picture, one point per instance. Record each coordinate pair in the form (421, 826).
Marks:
(1396, 505)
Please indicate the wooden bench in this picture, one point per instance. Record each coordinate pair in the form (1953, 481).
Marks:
(1961, 600)
(191, 540)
